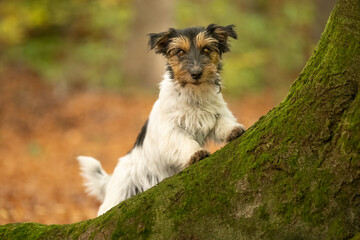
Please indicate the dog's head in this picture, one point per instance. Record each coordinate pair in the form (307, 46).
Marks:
(193, 54)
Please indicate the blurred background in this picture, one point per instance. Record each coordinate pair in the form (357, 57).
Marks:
(77, 78)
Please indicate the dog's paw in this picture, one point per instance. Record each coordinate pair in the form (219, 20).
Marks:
(199, 155)
(235, 133)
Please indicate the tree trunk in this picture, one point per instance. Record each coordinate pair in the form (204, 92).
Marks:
(295, 174)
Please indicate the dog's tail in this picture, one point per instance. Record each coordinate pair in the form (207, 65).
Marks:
(95, 177)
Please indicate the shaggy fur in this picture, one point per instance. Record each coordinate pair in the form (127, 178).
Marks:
(190, 111)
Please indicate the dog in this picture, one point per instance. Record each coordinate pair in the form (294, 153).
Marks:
(190, 110)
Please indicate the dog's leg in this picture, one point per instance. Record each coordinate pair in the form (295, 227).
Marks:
(181, 149)
(199, 155)
(227, 128)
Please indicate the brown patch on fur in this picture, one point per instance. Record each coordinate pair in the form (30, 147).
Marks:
(180, 74)
(215, 58)
(209, 72)
(181, 42)
(221, 33)
(202, 40)
(211, 69)
(235, 133)
(199, 155)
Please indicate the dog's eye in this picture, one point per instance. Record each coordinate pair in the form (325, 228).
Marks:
(206, 50)
(180, 53)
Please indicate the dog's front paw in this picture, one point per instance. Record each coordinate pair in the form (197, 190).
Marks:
(235, 133)
(199, 155)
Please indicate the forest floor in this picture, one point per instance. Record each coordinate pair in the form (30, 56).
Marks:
(42, 131)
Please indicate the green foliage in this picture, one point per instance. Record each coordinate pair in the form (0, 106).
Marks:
(70, 42)
(81, 42)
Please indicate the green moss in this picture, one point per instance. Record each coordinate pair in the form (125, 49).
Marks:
(356, 237)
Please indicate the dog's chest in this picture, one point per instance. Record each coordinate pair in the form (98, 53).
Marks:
(197, 121)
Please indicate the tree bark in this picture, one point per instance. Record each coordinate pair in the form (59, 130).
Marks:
(295, 174)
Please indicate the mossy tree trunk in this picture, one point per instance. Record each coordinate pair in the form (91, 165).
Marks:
(295, 174)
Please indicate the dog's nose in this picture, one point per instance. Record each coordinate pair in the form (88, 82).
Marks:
(196, 74)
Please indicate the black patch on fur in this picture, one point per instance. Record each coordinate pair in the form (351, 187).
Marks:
(170, 71)
(149, 178)
(218, 83)
(160, 41)
(140, 138)
(99, 171)
(219, 67)
(137, 190)
(190, 32)
(222, 34)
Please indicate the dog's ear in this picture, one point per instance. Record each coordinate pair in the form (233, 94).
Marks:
(160, 41)
(222, 34)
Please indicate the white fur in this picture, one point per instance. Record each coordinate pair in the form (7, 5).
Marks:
(95, 176)
(181, 121)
